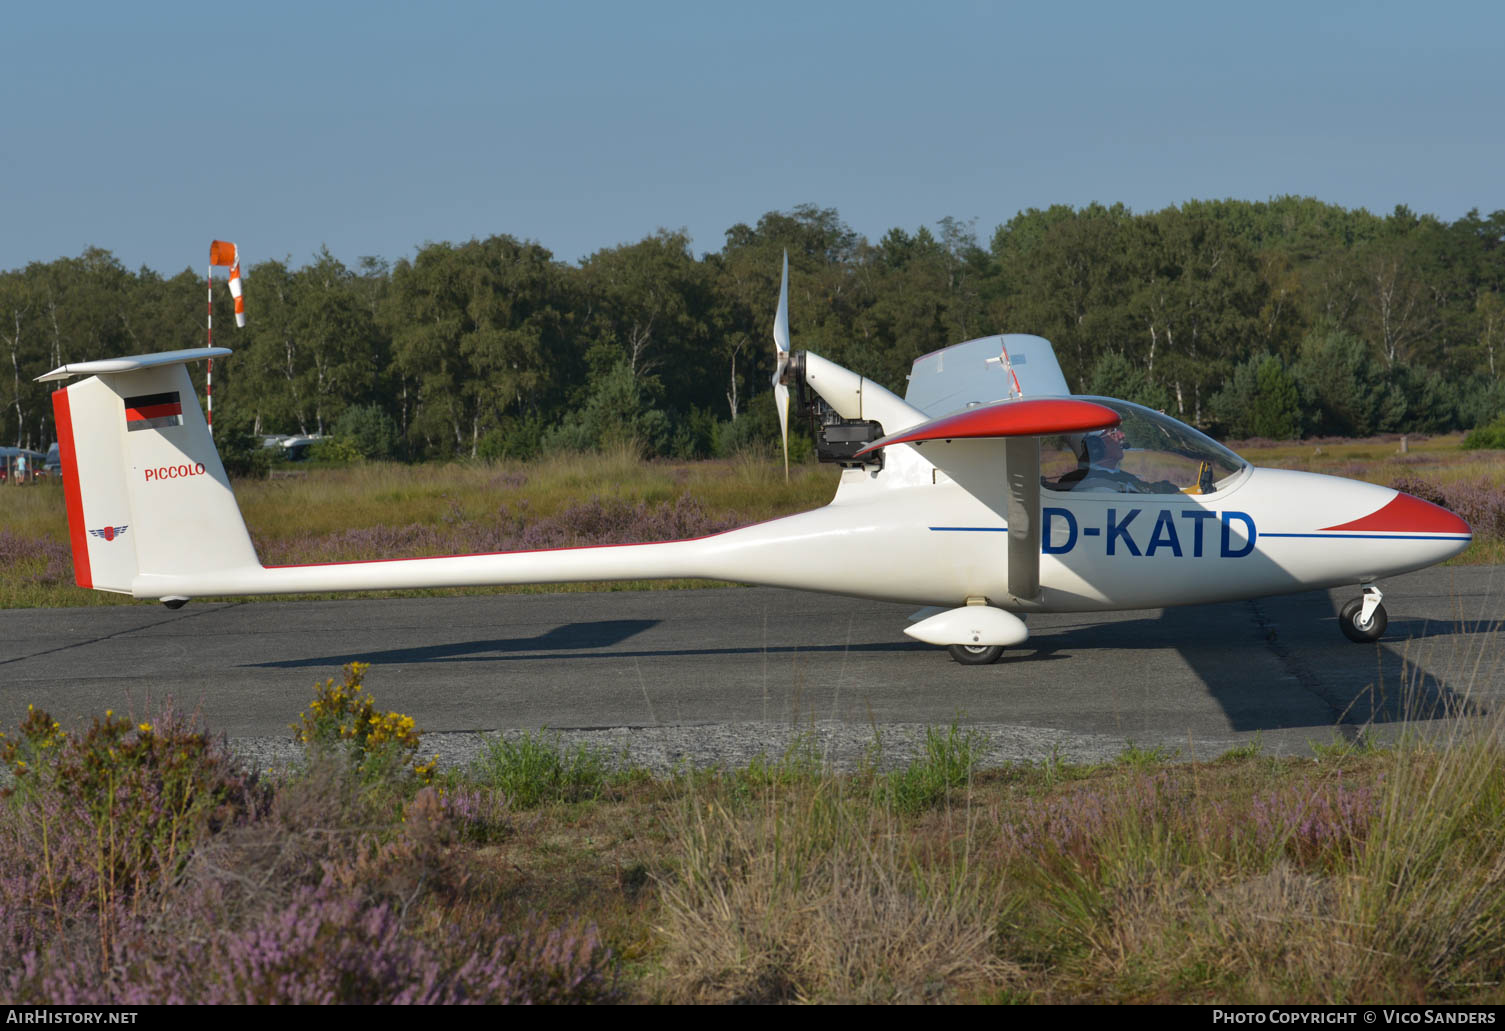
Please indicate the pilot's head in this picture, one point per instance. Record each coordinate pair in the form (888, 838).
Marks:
(1106, 447)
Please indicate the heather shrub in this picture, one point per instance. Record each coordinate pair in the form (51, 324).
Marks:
(477, 815)
(319, 896)
(1419, 488)
(325, 946)
(100, 823)
(1312, 823)
(325, 827)
(1482, 506)
(344, 716)
(35, 560)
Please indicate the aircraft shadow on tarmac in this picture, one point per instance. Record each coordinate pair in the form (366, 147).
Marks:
(1230, 648)
(569, 637)
(1390, 681)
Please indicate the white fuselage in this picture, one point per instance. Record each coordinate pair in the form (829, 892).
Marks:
(934, 543)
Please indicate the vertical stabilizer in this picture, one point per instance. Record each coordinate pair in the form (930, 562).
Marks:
(146, 493)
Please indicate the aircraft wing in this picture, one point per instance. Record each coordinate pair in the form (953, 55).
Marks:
(973, 446)
(1024, 417)
(975, 372)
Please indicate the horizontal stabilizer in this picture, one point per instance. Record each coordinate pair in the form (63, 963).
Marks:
(134, 363)
(983, 370)
(1032, 417)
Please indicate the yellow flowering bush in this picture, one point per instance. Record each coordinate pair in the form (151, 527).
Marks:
(344, 714)
(38, 739)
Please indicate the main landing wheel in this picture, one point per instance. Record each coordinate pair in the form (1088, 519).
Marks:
(1358, 631)
(975, 654)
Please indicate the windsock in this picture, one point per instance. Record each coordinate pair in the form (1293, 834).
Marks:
(223, 253)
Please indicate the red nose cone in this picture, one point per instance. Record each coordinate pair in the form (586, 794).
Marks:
(1407, 514)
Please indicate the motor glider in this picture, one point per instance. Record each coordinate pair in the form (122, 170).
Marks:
(989, 491)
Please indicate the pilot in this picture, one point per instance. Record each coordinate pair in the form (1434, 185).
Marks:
(1098, 468)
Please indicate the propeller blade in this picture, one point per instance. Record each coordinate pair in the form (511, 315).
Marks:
(781, 354)
(781, 320)
(781, 399)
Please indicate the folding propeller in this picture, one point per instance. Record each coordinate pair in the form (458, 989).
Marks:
(781, 355)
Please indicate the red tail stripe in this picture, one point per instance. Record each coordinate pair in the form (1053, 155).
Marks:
(73, 498)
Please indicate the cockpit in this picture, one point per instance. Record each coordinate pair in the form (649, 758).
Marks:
(1147, 453)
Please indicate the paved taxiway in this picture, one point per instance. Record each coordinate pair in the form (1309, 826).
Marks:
(720, 674)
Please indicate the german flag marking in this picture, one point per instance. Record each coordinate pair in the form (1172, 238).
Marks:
(153, 411)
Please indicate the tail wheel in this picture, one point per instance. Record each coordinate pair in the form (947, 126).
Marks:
(975, 654)
(1354, 627)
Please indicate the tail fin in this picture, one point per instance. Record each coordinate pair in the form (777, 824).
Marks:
(145, 490)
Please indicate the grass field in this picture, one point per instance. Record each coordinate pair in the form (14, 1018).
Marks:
(138, 865)
(381, 510)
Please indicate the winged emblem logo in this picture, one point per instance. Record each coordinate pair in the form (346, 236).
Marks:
(109, 533)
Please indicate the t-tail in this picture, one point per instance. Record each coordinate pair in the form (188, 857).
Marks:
(146, 493)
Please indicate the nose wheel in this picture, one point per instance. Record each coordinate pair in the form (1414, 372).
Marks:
(1363, 620)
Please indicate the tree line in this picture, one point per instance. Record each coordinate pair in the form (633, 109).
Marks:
(1281, 318)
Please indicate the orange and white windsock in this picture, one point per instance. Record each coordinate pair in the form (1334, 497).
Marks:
(227, 254)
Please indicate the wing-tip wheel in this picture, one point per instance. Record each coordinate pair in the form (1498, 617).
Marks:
(975, 634)
(781, 361)
(976, 654)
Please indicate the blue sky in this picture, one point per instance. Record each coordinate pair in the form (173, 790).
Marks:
(374, 127)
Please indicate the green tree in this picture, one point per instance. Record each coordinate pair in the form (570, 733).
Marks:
(1261, 399)
(1070, 278)
(369, 429)
(478, 335)
(1198, 305)
(338, 337)
(1114, 375)
(620, 410)
(650, 301)
(1277, 402)
(1344, 390)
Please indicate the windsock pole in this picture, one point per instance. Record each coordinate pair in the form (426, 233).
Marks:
(209, 370)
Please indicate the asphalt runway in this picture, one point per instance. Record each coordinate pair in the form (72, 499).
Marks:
(720, 674)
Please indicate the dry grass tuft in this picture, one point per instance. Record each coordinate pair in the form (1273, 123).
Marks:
(815, 896)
